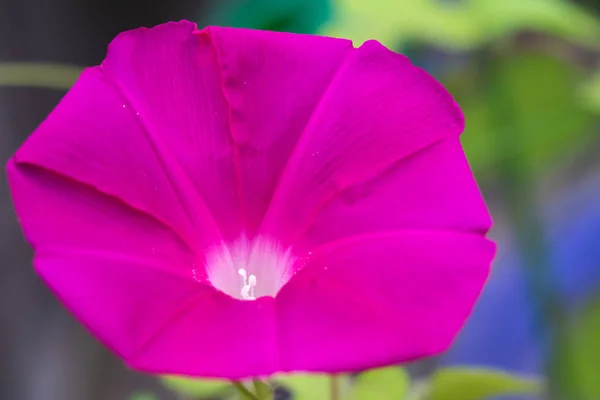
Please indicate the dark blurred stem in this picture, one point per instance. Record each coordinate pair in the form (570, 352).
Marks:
(517, 181)
(246, 394)
(334, 382)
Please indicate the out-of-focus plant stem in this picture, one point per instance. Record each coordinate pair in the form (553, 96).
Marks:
(334, 381)
(42, 75)
(262, 389)
(244, 392)
(515, 176)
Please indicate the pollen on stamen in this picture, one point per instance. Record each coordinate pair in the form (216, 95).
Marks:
(242, 272)
(249, 269)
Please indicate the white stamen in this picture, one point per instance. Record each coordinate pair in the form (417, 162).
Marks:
(252, 284)
(244, 275)
(245, 292)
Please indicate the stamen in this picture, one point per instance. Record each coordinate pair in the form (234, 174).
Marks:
(245, 292)
(243, 274)
(252, 284)
(249, 282)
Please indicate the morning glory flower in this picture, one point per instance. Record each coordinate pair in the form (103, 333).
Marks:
(233, 203)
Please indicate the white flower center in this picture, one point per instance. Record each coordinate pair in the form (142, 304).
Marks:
(248, 269)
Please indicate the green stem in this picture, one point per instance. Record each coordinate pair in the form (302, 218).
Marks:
(334, 382)
(246, 394)
(420, 390)
(42, 75)
(262, 389)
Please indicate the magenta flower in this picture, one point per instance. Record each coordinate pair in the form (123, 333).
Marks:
(233, 203)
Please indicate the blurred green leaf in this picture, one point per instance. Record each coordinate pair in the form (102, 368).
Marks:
(591, 93)
(478, 384)
(392, 22)
(539, 96)
(458, 25)
(42, 75)
(299, 16)
(144, 396)
(385, 383)
(195, 387)
(557, 17)
(580, 355)
(307, 386)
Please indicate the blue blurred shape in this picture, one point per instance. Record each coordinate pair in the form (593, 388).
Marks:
(502, 331)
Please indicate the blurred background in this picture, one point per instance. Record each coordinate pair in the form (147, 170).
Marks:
(527, 76)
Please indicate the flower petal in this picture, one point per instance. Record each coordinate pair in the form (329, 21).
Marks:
(215, 336)
(94, 137)
(378, 110)
(432, 189)
(169, 76)
(272, 83)
(378, 299)
(99, 255)
(135, 284)
(236, 99)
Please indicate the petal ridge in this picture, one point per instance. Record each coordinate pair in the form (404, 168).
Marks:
(16, 164)
(171, 166)
(272, 83)
(323, 161)
(235, 152)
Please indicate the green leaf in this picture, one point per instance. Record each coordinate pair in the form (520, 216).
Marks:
(556, 17)
(385, 383)
(195, 387)
(144, 396)
(459, 25)
(539, 97)
(393, 22)
(307, 386)
(591, 93)
(579, 356)
(479, 384)
(299, 16)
